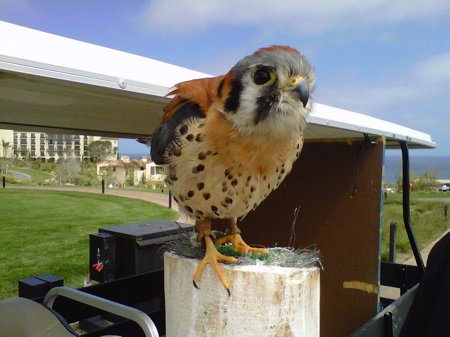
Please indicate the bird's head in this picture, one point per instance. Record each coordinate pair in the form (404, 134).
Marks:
(268, 93)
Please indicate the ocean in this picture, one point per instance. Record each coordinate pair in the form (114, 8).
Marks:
(392, 164)
(419, 164)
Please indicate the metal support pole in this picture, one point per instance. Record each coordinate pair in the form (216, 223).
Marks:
(103, 186)
(4, 181)
(406, 208)
(170, 199)
(392, 241)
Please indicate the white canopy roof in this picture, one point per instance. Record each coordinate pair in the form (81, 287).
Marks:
(55, 84)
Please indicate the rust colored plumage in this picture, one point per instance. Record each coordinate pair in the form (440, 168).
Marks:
(275, 47)
(201, 91)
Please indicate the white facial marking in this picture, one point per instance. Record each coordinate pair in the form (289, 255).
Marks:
(286, 118)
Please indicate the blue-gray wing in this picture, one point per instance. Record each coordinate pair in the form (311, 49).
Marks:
(165, 136)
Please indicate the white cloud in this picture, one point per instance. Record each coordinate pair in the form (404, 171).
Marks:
(435, 71)
(303, 16)
(426, 82)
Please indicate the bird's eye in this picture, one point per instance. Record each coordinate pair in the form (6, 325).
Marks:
(261, 76)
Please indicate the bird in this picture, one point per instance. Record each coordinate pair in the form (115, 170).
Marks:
(227, 142)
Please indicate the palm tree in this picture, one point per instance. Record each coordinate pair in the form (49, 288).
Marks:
(4, 162)
(6, 146)
(130, 167)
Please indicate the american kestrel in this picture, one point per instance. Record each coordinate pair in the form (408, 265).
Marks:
(226, 142)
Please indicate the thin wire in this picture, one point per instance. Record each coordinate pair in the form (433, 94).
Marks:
(293, 237)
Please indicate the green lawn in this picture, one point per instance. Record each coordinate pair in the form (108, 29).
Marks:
(427, 219)
(430, 195)
(48, 231)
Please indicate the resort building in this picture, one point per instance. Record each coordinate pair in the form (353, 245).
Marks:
(47, 146)
(140, 171)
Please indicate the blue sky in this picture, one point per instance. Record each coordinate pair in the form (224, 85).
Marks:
(387, 59)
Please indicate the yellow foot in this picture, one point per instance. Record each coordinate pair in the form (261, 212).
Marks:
(239, 245)
(212, 256)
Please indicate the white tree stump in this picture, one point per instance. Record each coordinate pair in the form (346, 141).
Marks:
(264, 301)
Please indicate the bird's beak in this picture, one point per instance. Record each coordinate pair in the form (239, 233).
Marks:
(299, 91)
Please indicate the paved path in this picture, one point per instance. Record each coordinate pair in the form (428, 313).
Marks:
(161, 199)
(20, 176)
(447, 200)
(425, 252)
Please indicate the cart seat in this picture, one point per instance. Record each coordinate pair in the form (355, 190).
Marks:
(21, 317)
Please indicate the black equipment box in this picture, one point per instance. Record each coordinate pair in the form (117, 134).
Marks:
(102, 249)
(38, 286)
(137, 248)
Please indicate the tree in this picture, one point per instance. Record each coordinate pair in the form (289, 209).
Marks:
(428, 181)
(130, 167)
(5, 163)
(88, 175)
(100, 150)
(107, 174)
(6, 146)
(68, 169)
(413, 176)
(425, 182)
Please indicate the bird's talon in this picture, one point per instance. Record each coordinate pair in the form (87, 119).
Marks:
(195, 284)
(212, 256)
